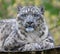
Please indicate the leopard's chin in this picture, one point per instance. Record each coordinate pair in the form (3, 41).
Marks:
(29, 29)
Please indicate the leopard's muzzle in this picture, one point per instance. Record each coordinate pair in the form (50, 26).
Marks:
(30, 26)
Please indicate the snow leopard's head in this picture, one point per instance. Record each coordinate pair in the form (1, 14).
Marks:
(31, 18)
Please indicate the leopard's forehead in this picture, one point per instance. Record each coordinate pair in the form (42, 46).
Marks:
(27, 9)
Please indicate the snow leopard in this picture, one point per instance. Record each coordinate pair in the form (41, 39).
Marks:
(27, 32)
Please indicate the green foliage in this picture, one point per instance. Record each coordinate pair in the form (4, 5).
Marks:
(12, 2)
(0, 13)
(53, 10)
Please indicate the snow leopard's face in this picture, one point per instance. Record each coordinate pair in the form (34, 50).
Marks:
(30, 18)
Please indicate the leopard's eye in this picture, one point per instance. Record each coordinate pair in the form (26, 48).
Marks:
(36, 15)
(23, 15)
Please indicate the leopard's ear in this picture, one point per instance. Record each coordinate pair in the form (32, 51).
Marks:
(42, 9)
(19, 7)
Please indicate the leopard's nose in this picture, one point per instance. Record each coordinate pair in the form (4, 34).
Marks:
(29, 22)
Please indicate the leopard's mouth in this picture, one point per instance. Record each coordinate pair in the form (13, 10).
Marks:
(29, 28)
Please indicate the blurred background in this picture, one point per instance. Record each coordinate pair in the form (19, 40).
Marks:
(8, 9)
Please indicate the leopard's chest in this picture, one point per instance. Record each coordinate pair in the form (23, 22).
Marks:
(33, 37)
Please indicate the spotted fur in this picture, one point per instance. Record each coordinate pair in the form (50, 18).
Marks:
(28, 32)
